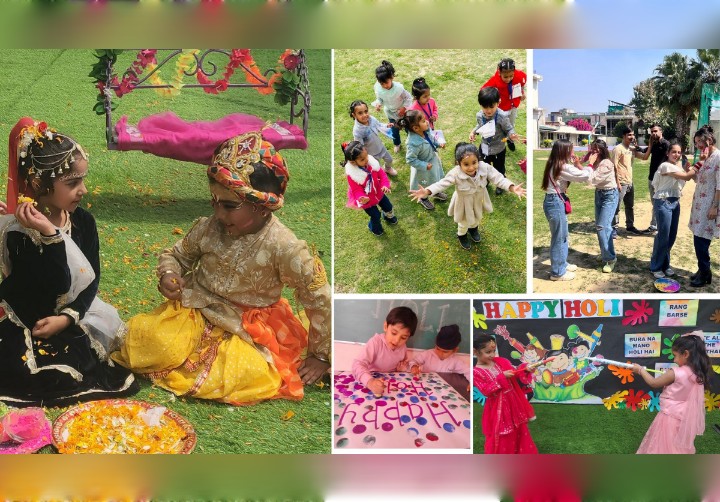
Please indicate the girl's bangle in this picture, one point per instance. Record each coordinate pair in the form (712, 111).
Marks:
(165, 272)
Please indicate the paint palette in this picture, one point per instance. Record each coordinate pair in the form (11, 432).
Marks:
(413, 412)
(667, 285)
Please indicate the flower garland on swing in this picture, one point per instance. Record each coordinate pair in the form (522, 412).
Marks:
(284, 82)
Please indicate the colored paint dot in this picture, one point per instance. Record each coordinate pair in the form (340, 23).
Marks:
(466, 423)
(413, 432)
(413, 399)
(419, 442)
(404, 419)
(358, 386)
(452, 406)
(403, 403)
(433, 398)
(400, 394)
(369, 440)
(449, 427)
(434, 405)
(423, 399)
(380, 402)
(359, 400)
(369, 397)
(340, 431)
(369, 407)
(336, 416)
(342, 443)
(432, 436)
(359, 429)
(341, 405)
(423, 394)
(421, 420)
(387, 426)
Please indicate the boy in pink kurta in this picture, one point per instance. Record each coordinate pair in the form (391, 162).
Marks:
(386, 352)
(441, 359)
(506, 412)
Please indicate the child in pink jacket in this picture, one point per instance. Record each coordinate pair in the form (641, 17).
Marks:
(423, 102)
(368, 186)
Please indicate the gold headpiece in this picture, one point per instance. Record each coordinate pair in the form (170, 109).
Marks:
(57, 163)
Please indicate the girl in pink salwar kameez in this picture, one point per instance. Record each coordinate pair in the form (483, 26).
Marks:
(682, 402)
(507, 411)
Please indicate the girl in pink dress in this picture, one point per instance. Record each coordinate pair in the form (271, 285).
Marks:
(682, 402)
(507, 411)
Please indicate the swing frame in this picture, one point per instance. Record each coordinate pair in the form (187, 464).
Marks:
(299, 103)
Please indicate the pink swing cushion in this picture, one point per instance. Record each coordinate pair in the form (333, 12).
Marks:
(167, 135)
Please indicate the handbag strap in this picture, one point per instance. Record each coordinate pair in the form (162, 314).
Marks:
(556, 188)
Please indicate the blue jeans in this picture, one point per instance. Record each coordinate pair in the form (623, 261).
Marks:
(554, 208)
(375, 223)
(702, 252)
(667, 214)
(606, 202)
(395, 132)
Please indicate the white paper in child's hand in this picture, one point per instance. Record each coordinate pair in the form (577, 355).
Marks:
(517, 91)
(439, 137)
(484, 149)
(488, 130)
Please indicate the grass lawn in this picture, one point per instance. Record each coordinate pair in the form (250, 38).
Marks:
(576, 428)
(421, 253)
(143, 204)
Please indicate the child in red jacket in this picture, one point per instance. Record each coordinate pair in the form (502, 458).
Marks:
(368, 186)
(511, 84)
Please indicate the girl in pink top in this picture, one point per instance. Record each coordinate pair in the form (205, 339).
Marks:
(386, 352)
(423, 102)
(368, 186)
(682, 402)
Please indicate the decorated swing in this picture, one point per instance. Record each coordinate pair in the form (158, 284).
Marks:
(166, 134)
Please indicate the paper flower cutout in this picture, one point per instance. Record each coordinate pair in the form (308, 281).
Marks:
(654, 404)
(624, 374)
(668, 347)
(644, 403)
(715, 317)
(639, 315)
(478, 396)
(712, 401)
(479, 320)
(716, 368)
(634, 398)
(615, 400)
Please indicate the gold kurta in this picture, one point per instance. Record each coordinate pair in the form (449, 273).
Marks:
(226, 276)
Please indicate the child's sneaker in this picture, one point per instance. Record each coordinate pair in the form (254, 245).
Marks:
(427, 204)
(499, 191)
(390, 218)
(464, 241)
(669, 272)
(659, 274)
(441, 196)
(511, 145)
(396, 148)
(567, 276)
(570, 267)
(474, 234)
(390, 171)
(376, 231)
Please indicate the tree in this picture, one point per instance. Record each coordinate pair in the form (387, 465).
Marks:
(645, 101)
(617, 130)
(580, 124)
(676, 85)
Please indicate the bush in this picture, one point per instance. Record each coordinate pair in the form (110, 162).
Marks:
(547, 143)
(584, 142)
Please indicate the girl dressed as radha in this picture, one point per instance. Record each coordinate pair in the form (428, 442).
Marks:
(55, 334)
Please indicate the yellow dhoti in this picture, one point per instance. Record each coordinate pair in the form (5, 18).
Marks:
(181, 352)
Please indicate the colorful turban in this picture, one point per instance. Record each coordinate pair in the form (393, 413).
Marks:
(235, 161)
